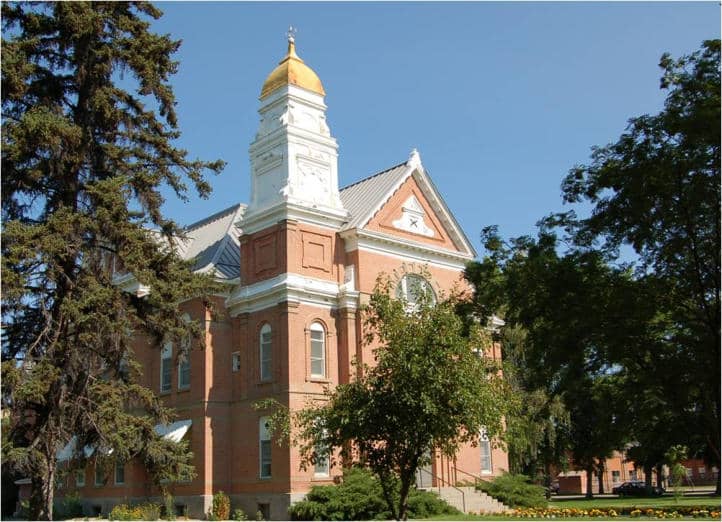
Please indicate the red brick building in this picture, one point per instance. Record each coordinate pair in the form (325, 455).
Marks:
(296, 262)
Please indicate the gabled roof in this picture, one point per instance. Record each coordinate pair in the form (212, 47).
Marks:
(360, 197)
(213, 243)
(365, 198)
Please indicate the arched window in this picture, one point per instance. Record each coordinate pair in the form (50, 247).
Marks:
(318, 350)
(265, 352)
(415, 290)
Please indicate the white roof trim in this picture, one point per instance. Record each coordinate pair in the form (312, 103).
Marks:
(174, 431)
(415, 168)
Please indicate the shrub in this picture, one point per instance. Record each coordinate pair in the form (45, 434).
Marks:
(239, 514)
(515, 491)
(169, 508)
(147, 511)
(68, 507)
(221, 508)
(360, 497)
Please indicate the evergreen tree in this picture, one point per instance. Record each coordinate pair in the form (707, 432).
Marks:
(84, 162)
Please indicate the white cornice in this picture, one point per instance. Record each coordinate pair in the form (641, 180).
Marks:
(293, 288)
(128, 283)
(388, 245)
(263, 218)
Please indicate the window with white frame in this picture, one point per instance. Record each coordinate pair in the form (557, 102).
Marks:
(184, 365)
(616, 476)
(414, 289)
(119, 473)
(485, 447)
(318, 350)
(265, 352)
(322, 464)
(236, 361)
(166, 367)
(79, 478)
(264, 448)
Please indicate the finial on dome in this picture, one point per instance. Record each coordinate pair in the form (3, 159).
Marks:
(414, 159)
(291, 35)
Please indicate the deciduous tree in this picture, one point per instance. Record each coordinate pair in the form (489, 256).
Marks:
(429, 390)
(657, 189)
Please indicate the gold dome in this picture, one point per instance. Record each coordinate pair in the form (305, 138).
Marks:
(292, 71)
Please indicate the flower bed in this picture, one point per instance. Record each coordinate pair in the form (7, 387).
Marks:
(612, 512)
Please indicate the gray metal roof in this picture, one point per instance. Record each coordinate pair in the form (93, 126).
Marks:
(213, 243)
(362, 197)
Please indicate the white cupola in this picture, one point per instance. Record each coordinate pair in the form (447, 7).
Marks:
(294, 158)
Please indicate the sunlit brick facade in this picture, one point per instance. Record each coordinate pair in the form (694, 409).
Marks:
(297, 263)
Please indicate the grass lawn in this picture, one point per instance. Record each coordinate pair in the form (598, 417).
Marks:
(665, 501)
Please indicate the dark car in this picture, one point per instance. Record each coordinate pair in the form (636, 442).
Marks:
(637, 488)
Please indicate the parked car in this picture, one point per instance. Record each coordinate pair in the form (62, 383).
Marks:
(637, 488)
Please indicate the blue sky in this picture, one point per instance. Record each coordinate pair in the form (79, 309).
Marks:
(500, 99)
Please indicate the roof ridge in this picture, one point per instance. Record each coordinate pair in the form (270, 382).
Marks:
(213, 217)
(373, 176)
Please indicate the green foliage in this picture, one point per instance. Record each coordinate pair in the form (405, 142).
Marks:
(515, 491)
(259, 515)
(168, 507)
(69, 506)
(239, 514)
(360, 496)
(429, 390)
(657, 189)
(677, 471)
(630, 347)
(84, 165)
(221, 507)
(147, 511)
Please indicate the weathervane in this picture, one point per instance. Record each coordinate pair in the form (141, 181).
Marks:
(291, 33)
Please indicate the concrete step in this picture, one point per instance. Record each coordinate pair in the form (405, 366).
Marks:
(471, 501)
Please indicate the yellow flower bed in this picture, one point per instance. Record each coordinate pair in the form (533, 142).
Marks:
(634, 512)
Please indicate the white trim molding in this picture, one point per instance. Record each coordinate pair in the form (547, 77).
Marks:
(293, 288)
(388, 245)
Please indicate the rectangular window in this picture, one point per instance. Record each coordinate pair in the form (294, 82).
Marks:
(689, 472)
(264, 437)
(633, 475)
(615, 476)
(236, 361)
(485, 447)
(318, 353)
(184, 370)
(166, 367)
(99, 475)
(119, 473)
(79, 478)
(321, 468)
(266, 354)
(701, 470)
